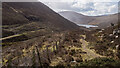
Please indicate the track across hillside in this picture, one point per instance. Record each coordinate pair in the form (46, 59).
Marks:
(90, 54)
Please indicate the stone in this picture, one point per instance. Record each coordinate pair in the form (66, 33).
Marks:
(116, 36)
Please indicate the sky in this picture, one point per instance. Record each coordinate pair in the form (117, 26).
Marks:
(86, 7)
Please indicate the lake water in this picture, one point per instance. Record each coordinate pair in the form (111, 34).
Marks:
(87, 26)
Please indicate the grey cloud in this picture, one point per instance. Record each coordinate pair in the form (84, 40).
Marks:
(19, 0)
(69, 6)
(88, 8)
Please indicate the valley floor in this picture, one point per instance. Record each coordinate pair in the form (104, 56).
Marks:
(56, 49)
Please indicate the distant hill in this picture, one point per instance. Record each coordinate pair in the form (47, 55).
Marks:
(105, 21)
(101, 21)
(76, 17)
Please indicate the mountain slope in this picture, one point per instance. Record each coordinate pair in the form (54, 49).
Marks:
(101, 21)
(104, 21)
(76, 17)
(18, 14)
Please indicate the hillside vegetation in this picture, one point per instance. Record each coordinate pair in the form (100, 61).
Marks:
(36, 36)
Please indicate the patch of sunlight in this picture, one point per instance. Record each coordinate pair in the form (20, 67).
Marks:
(114, 50)
(31, 48)
(84, 42)
(86, 57)
(52, 49)
(24, 52)
(8, 43)
(0, 62)
(14, 9)
(84, 36)
(55, 61)
(76, 48)
(25, 33)
(8, 55)
(4, 61)
(15, 58)
(10, 36)
(32, 31)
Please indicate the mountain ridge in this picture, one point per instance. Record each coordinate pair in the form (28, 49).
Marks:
(101, 21)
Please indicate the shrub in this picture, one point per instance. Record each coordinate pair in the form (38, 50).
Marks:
(101, 62)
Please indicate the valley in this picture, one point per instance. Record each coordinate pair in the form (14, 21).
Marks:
(99, 21)
(36, 36)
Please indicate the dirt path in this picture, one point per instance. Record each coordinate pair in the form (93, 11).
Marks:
(10, 37)
(16, 35)
(90, 53)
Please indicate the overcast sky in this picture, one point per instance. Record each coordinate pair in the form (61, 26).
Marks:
(86, 7)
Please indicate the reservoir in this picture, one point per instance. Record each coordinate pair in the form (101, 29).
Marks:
(87, 26)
